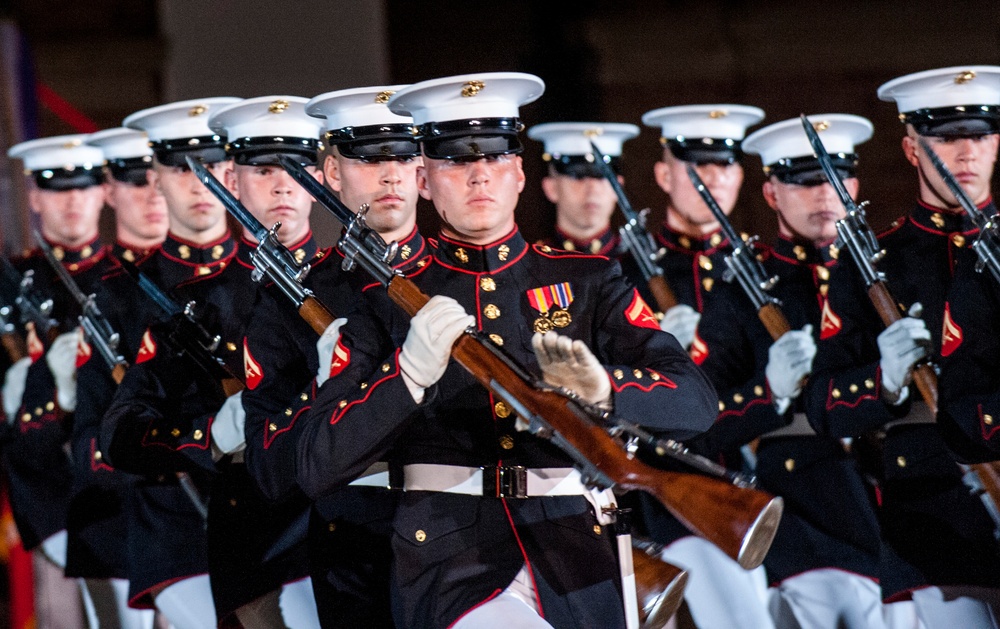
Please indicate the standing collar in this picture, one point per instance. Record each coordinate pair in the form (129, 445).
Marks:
(129, 253)
(603, 244)
(677, 241)
(490, 258)
(944, 222)
(78, 258)
(206, 256)
(805, 253)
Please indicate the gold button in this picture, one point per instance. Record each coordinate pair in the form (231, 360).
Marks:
(420, 535)
(39, 411)
(722, 406)
(97, 455)
(507, 442)
(546, 249)
(204, 270)
(834, 251)
(959, 240)
(823, 273)
(491, 311)
(637, 373)
(715, 239)
(738, 398)
(288, 412)
(332, 526)
(789, 464)
(619, 374)
(363, 386)
(705, 262)
(497, 340)
(50, 406)
(901, 461)
(869, 384)
(74, 266)
(176, 432)
(988, 420)
(26, 417)
(342, 404)
(272, 427)
(654, 375)
(304, 397)
(597, 529)
(853, 388)
(501, 410)
(232, 502)
(152, 432)
(685, 242)
(835, 393)
(824, 289)
(385, 368)
(198, 435)
(487, 284)
(758, 390)
(800, 252)
(708, 283)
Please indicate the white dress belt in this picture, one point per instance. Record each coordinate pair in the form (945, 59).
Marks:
(377, 475)
(500, 482)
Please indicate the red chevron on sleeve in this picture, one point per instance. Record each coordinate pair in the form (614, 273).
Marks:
(639, 314)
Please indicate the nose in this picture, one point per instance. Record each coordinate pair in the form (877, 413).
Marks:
(283, 183)
(965, 149)
(478, 172)
(390, 173)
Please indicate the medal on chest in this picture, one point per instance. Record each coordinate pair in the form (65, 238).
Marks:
(552, 302)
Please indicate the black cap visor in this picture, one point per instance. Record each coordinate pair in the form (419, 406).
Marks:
(375, 142)
(470, 139)
(208, 150)
(131, 170)
(705, 150)
(806, 171)
(266, 150)
(59, 179)
(963, 121)
(581, 166)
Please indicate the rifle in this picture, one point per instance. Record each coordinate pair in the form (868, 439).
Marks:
(987, 244)
(95, 326)
(185, 334)
(854, 234)
(741, 521)
(35, 308)
(659, 585)
(637, 239)
(743, 265)
(270, 258)
(12, 341)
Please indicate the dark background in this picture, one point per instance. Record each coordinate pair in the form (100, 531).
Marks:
(601, 60)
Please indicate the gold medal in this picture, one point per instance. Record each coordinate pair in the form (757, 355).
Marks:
(543, 325)
(561, 318)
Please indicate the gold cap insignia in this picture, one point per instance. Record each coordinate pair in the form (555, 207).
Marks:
(718, 113)
(964, 77)
(822, 125)
(279, 106)
(72, 144)
(197, 110)
(593, 133)
(383, 97)
(471, 88)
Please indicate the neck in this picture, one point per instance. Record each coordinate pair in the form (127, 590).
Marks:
(681, 225)
(580, 234)
(71, 243)
(398, 234)
(202, 237)
(132, 241)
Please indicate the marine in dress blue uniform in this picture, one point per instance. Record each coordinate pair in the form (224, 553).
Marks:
(460, 550)
(939, 536)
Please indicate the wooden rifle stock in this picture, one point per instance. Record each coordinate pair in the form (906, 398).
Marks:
(14, 345)
(774, 320)
(662, 293)
(741, 522)
(659, 587)
(316, 314)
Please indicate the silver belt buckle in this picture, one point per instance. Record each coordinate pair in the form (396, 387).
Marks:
(505, 481)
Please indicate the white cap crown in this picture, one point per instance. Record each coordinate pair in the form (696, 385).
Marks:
(573, 138)
(61, 151)
(840, 133)
(357, 107)
(467, 96)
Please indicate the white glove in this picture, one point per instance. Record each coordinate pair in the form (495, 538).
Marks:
(427, 348)
(570, 364)
(902, 345)
(324, 349)
(61, 359)
(681, 321)
(789, 361)
(227, 427)
(13, 387)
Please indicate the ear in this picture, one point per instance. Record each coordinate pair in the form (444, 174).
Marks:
(551, 189)
(331, 171)
(520, 175)
(229, 179)
(853, 185)
(910, 150)
(317, 174)
(769, 195)
(33, 199)
(423, 185)
(663, 176)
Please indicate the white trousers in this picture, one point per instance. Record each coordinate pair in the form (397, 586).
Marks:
(188, 604)
(947, 606)
(514, 607)
(827, 599)
(106, 603)
(293, 607)
(719, 593)
(57, 599)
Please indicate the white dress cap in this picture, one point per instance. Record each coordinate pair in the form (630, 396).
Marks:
(944, 87)
(467, 96)
(174, 121)
(121, 143)
(356, 107)
(726, 122)
(265, 116)
(573, 138)
(784, 140)
(67, 152)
